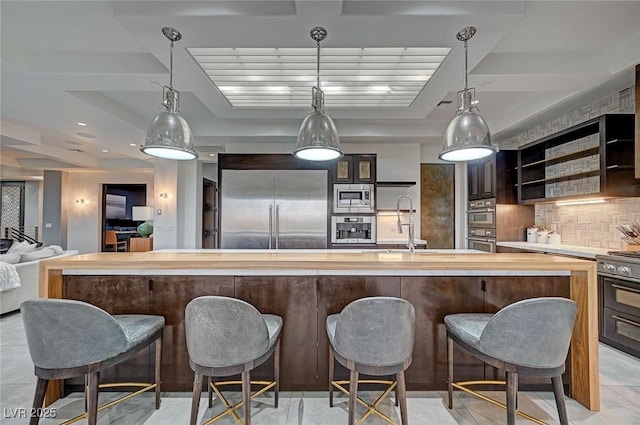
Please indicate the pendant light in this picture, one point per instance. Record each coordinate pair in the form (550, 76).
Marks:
(169, 135)
(318, 137)
(467, 137)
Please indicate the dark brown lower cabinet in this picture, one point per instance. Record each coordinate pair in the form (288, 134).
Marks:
(433, 298)
(294, 298)
(304, 303)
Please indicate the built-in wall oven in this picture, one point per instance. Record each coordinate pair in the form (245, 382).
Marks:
(354, 198)
(482, 213)
(481, 221)
(359, 230)
(482, 239)
(619, 299)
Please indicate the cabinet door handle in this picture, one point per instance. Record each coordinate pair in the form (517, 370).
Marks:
(270, 224)
(627, 321)
(611, 167)
(625, 288)
(277, 226)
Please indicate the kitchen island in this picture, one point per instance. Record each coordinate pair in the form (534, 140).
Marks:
(304, 287)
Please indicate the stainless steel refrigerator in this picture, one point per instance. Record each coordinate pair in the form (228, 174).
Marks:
(273, 209)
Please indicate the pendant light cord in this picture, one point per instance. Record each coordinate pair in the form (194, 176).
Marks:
(466, 74)
(171, 65)
(318, 66)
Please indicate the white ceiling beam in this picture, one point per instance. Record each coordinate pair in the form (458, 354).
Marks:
(15, 134)
(560, 63)
(95, 63)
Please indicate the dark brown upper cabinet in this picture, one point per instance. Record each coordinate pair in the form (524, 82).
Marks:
(493, 177)
(591, 159)
(360, 168)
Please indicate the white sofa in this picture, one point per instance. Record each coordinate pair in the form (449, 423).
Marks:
(29, 273)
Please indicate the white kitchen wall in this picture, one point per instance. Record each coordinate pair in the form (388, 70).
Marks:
(165, 222)
(32, 202)
(84, 220)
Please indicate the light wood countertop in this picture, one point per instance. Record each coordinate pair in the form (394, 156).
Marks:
(318, 260)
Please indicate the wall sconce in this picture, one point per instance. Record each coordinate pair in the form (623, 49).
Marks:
(80, 201)
(164, 195)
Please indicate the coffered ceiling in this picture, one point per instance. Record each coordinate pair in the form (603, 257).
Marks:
(103, 63)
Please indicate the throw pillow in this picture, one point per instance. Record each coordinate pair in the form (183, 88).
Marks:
(37, 255)
(10, 258)
(57, 249)
(21, 248)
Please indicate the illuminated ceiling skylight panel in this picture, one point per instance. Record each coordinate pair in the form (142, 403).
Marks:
(283, 77)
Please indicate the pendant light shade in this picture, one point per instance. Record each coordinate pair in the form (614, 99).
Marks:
(318, 138)
(169, 135)
(467, 137)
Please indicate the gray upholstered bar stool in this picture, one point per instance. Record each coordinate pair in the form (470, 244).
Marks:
(373, 336)
(70, 338)
(227, 336)
(529, 337)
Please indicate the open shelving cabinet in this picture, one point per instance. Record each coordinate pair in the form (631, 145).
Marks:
(594, 158)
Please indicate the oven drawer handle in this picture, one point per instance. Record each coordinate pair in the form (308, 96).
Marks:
(481, 210)
(479, 240)
(627, 321)
(625, 288)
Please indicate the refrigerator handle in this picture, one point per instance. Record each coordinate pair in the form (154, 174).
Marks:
(270, 224)
(277, 226)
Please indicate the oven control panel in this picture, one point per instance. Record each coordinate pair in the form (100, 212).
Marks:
(627, 268)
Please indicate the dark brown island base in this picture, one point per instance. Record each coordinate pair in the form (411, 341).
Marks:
(305, 287)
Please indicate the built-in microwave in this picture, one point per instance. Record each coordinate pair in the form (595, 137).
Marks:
(353, 198)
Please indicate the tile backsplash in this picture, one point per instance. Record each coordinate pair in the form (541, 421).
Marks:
(591, 225)
(585, 225)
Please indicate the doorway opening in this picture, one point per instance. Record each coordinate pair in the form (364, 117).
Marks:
(118, 201)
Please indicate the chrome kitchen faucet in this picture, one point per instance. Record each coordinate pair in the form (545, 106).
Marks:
(411, 243)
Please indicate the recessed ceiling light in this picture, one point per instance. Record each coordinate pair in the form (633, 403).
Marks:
(212, 154)
(82, 124)
(105, 150)
(132, 144)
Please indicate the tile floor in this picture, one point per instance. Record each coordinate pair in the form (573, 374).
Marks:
(619, 376)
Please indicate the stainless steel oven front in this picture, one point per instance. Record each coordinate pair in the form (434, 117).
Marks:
(619, 299)
(482, 213)
(482, 239)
